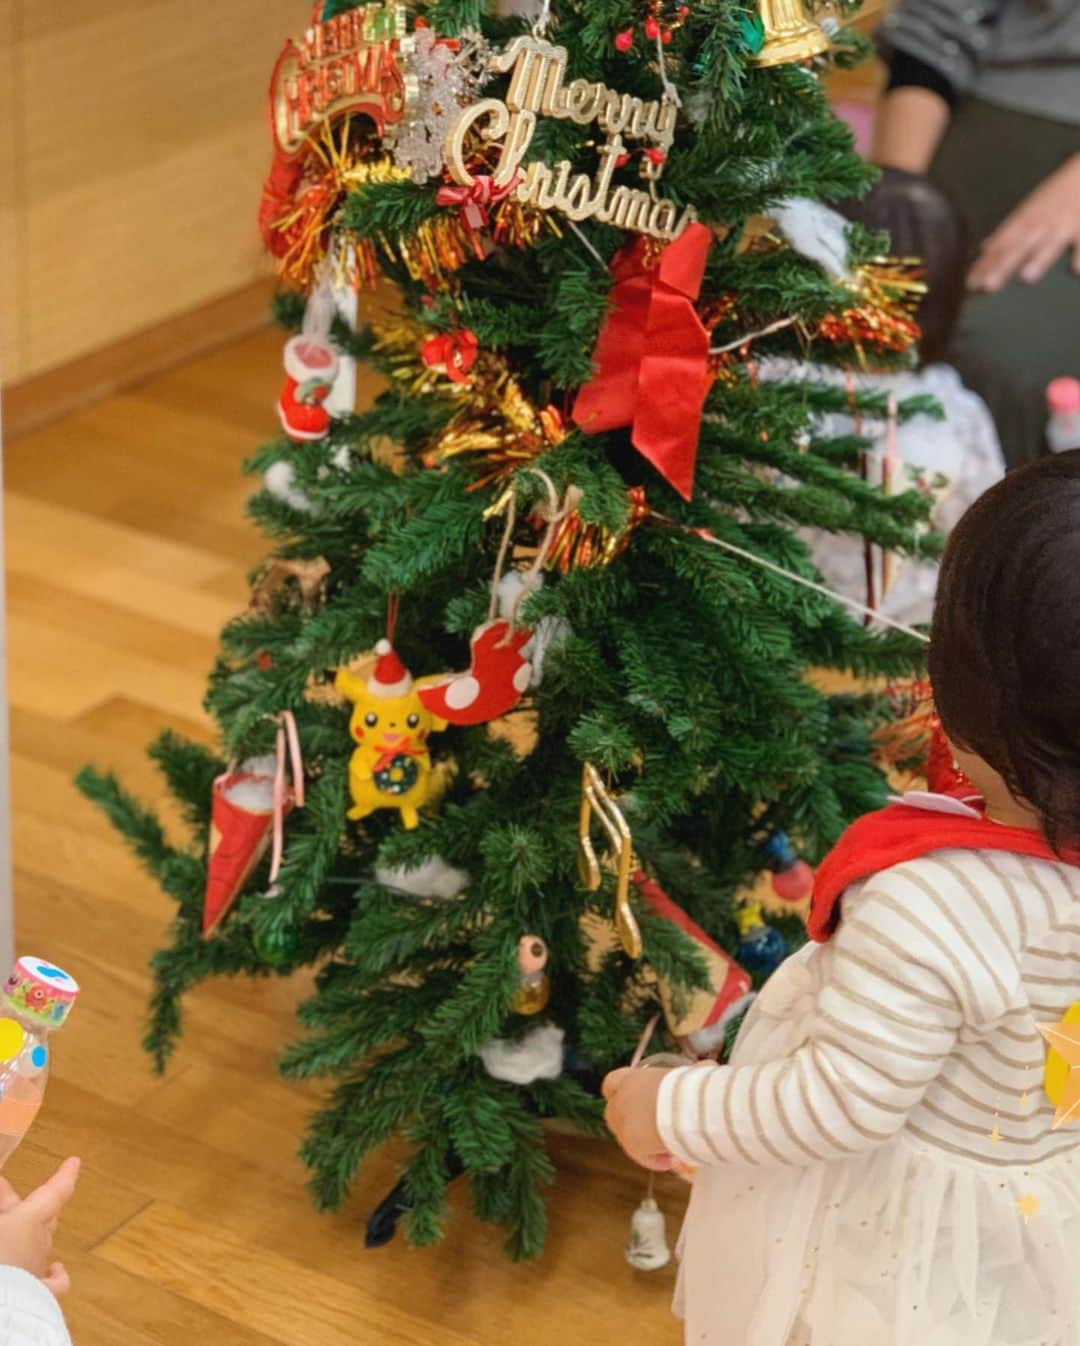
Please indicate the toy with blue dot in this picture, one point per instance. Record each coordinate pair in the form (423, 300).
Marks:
(36, 999)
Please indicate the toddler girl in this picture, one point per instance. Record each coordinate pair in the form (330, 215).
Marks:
(878, 1166)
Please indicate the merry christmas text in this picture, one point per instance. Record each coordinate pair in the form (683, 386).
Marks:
(538, 87)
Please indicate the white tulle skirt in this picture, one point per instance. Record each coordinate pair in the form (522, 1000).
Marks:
(902, 1246)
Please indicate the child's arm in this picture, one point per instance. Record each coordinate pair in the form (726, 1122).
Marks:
(910, 965)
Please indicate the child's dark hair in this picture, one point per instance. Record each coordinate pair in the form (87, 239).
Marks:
(1005, 649)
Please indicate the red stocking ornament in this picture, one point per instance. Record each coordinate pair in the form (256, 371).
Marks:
(311, 365)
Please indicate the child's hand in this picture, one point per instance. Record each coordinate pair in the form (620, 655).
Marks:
(27, 1226)
(631, 1116)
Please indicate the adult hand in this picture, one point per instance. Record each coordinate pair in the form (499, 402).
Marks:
(27, 1226)
(632, 1097)
(1028, 242)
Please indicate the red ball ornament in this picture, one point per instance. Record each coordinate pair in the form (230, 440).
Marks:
(665, 37)
(652, 28)
(624, 40)
(795, 883)
(684, 12)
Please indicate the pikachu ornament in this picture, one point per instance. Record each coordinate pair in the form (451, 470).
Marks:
(390, 767)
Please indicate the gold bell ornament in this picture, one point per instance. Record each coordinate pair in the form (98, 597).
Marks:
(789, 35)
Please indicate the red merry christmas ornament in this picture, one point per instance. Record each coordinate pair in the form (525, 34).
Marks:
(311, 365)
(492, 685)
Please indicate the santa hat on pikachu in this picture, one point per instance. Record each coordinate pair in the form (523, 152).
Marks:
(389, 677)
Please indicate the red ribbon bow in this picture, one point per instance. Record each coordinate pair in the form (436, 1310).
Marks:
(406, 748)
(453, 353)
(474, 201)
(652, 358)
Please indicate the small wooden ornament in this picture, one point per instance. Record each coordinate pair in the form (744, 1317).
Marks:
(534, 991)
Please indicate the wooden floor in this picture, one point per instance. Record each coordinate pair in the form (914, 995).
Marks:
(127, 550)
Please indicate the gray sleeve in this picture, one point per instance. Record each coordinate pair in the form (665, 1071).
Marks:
(949, 36)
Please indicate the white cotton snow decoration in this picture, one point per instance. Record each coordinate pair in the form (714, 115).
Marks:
(816, 231)
(280, 480)
(433, 878)
(551, 632)
(536, 1056)
(255, 791)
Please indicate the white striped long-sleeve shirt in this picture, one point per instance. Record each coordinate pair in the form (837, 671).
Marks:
(921, 1017)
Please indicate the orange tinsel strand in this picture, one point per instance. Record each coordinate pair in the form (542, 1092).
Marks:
(330, 167)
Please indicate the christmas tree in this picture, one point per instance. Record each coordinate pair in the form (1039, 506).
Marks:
(526, 696)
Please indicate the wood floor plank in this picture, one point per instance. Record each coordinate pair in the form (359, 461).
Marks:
(281, 1299)
(116, 1307)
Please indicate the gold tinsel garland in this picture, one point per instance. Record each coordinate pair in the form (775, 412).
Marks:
(886, 293)
(496, 430)
(334, 163)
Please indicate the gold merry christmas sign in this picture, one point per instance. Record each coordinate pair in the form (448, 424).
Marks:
(538, 87)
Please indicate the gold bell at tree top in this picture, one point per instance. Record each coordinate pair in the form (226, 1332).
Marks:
(789, 35)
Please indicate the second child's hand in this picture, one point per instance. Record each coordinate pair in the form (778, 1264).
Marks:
(27, 1226)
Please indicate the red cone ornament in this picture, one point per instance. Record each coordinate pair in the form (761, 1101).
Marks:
(493, 684)
(241, 825)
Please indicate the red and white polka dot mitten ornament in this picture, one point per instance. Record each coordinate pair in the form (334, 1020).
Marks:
(493, 684)
(500, 672)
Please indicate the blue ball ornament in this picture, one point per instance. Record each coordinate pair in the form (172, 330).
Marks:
(762, 949)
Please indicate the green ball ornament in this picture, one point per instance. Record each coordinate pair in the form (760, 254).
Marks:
(275, 946)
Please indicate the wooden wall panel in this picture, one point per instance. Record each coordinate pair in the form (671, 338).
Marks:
(141, 152)
(10, 346)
